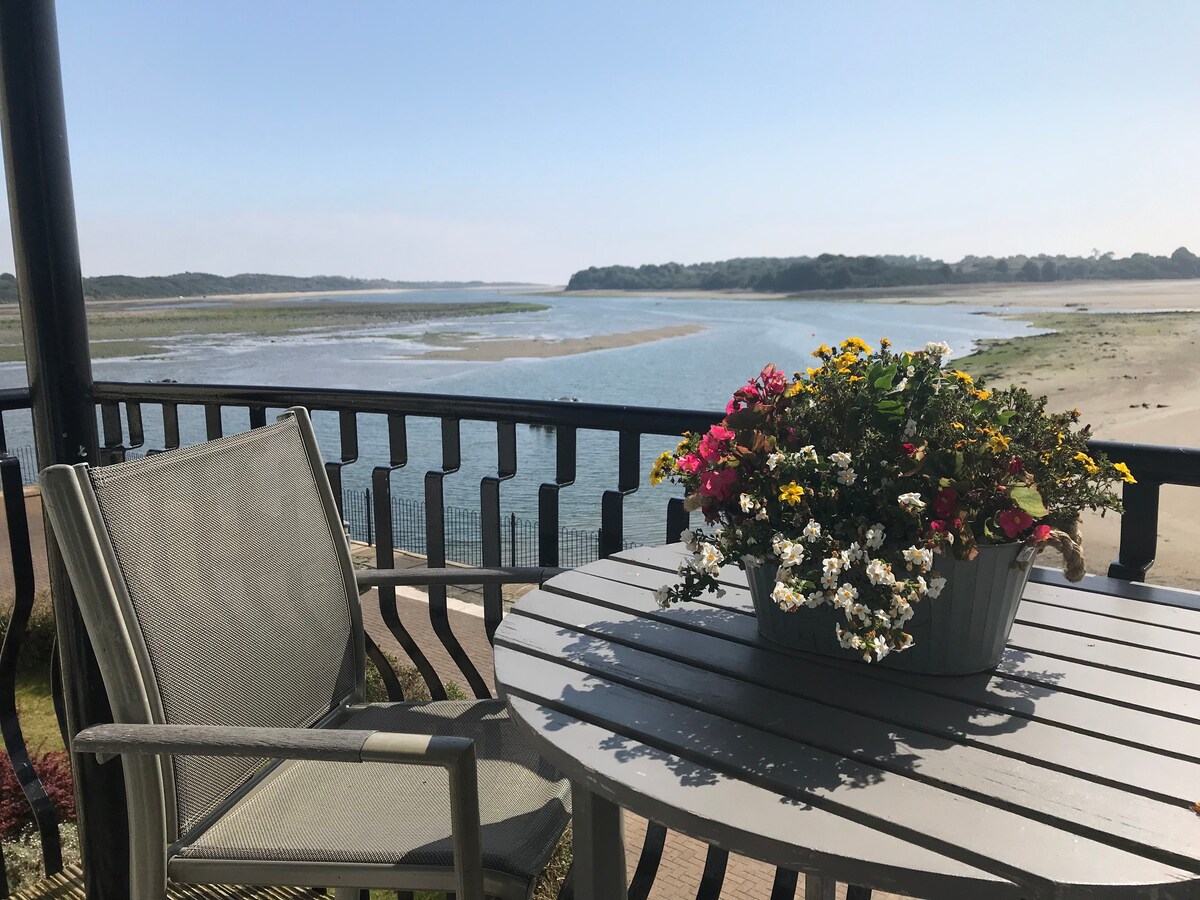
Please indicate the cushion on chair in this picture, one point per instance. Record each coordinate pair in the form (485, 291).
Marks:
(400, 814)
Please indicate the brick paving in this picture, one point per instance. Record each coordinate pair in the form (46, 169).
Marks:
(683, 857)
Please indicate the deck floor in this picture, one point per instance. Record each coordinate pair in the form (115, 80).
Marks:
(68, 885)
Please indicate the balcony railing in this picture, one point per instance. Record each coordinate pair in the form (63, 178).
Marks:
(375, 439)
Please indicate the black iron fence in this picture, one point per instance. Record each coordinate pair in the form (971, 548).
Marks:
(430, 525)
(464, 533)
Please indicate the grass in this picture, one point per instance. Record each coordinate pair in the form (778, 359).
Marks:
(127, 330)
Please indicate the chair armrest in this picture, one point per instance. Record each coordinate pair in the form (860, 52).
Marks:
(278, 743)
(368, 578)
(455, 754)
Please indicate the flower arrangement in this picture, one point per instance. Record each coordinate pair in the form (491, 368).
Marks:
(851, 479)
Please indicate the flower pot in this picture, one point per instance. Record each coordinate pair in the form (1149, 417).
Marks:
(962, 630)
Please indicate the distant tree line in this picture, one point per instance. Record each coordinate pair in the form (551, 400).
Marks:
(201, 284)
(831, 272)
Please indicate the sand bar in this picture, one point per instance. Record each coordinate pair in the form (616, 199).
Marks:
(1136, 378)
(497, 349)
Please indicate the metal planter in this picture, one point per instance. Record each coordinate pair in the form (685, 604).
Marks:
(963, 630)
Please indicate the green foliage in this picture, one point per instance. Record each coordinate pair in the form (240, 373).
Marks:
(412, 682)
(846, 482)
(833, 272)
(201, 284)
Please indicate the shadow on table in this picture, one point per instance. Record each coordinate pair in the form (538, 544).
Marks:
(696, 689)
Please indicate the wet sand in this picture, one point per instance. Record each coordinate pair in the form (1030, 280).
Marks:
(496, 349)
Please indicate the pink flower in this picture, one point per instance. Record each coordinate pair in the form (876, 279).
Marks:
(774, 381)
(937, 525)
(1014, 521)
(1041, 534)
(689, 463)
(713, 444)
(909, 449)
(945, 503)
(718, 485)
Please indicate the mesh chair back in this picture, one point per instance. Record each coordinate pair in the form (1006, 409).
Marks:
(237, 578)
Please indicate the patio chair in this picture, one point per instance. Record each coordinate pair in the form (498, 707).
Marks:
(217, 589)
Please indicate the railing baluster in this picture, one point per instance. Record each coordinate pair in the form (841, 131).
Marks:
(489, 515)
(385, 555)
(1139, 531)
(612, 504)
(213, 426)
(435, 551)
(348, 439)
(678, 519)
(565, 449)
(44, 813)
(137, 435)
(258, 416)
(113, 450)
(170, 412)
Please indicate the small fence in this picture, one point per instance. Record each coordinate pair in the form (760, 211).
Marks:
(464, 530)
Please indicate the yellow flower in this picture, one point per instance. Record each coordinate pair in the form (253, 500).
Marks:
(998, 442)
(981, 394)
(791, 493)
(855, 344)
(663, 467)
(1123, 471)
(854, 378)
(795, 388)
(884, 343)
(822, 352)
(963, 377)
(959, 425)
(1088, 463)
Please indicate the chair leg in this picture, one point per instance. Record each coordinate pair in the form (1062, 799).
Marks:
(347, 894)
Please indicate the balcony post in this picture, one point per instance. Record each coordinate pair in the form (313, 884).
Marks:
(54, 325)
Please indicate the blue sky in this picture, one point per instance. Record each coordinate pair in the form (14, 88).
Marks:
(523, 141)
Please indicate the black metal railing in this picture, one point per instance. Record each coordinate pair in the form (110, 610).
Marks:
(377, 438)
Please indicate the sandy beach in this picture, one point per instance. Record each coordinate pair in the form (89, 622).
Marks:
(496, 349)
(1135, 377)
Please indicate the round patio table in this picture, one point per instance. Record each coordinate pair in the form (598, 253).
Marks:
(1068, 772)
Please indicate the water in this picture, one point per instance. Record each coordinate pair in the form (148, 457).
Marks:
(699, 371)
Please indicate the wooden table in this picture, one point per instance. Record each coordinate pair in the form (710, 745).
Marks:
(1068, 772)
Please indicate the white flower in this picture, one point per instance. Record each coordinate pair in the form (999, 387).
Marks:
(910, 428)
(762, 515)
(921, 557)
(773, 460)
(910, 371)
(751, 560)
(830, 569)
(791, 554)
(936, 583)
(815, 599)
(845, 595)
(746, 502)
(874, 536)
(854, 552)
(709, 559)
(786, 598)
(911, 501)
(812, 531)
(689, 539)
(938, 348)
(846, 476)
(807, 452)
(879, 572)
(840, 459)
(662, 594)
(879, 645)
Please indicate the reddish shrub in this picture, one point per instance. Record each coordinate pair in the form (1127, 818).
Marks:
(54, 769)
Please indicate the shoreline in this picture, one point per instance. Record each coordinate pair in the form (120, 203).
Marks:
(1136, 378)
(499, 349)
